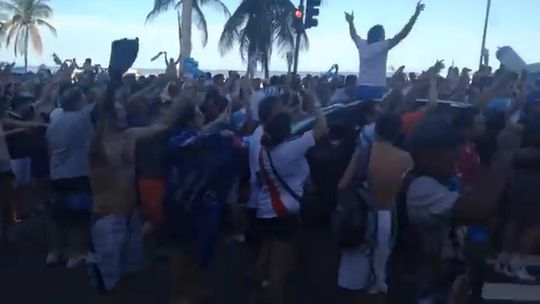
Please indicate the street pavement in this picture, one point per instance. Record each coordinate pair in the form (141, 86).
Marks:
(24, 278)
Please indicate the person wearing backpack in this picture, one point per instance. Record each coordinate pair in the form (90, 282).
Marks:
(362, 268)
(427, 209)
(283, 170)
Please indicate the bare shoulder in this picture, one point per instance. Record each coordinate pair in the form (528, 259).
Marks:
(405, 158)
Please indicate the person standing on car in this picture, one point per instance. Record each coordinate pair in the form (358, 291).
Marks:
(373, 54)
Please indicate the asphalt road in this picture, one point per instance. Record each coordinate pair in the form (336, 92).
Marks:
(24, 278)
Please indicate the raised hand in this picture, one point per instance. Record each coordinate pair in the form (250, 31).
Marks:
(349, 17)
(419, 7)
(436, 68)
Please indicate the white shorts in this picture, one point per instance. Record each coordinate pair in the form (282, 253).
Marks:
(360, 269)
(22, 168)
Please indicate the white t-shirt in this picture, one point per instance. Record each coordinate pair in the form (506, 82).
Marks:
(430, 206)
(373, 58)
(254, 101)
(254, 150)
(68, 138)
(5, 161)
(291, 164)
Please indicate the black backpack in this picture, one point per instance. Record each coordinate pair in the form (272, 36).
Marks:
(354, 204)
(407, 237)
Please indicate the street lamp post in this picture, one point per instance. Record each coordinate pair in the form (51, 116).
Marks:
(485, 33)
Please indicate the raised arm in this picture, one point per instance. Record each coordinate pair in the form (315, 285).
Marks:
(433, 94)
(408, 27)
(352, 28)
(320, 129)
(166, 59)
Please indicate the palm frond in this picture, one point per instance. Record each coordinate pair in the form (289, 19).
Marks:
(22, 28)
(19, 43)
(41, 10)
(11, 31)
(160, 6)
(33, 33)
(10, 7)
(200, 22)
(47, 25)
(230, 34)
(218, 4)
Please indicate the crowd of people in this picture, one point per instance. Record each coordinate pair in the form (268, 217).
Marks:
(418, 202)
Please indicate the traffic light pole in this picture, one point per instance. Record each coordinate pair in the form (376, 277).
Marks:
(297, 43)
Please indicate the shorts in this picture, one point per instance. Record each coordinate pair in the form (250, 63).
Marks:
(40, 165)
(251, 230)
(151, 194)
(22, 168)
(366, 92)
(362, 269)
(71, 200)
(280, 229)
(117, 249)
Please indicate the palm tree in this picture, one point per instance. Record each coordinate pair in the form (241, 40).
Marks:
(258, 25)
(190, 9)
(22, 27)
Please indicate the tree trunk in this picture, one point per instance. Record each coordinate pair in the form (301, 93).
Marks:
(179, 33)
(185, 39)
(26, 51)
(266, 66)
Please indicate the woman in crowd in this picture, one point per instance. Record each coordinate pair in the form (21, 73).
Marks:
(283, 170)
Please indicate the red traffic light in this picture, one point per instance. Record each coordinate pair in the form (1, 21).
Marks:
(299, 14)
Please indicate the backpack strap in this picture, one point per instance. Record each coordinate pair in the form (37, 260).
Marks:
(281, 180)
(402, 210)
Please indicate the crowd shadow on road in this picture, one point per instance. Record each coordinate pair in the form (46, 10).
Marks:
(24, 277)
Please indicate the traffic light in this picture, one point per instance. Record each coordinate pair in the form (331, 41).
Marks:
(298, 20)
(312, 11)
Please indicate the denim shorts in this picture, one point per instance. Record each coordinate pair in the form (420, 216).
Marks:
(366, 92)
(117, 249)
(71, 200)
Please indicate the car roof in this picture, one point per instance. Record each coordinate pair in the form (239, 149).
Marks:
(335, 110)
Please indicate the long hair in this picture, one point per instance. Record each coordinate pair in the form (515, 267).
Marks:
(375, 34)
(276, 130)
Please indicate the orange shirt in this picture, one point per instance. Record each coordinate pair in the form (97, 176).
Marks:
(409, 120)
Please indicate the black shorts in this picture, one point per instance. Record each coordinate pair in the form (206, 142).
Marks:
(280, 229)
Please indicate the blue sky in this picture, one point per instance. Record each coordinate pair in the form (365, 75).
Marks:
(447, 29)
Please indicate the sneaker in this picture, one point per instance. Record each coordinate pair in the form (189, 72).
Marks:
(74, 261)
(523, 275)
(504, 269)
(53, 258)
